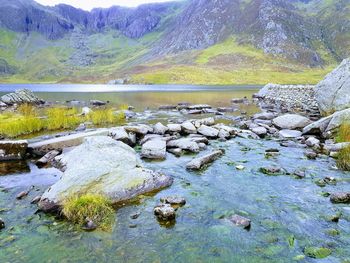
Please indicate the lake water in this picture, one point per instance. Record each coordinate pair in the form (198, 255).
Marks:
(287, 214)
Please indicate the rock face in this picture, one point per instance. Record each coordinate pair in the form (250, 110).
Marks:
(103, 166)
(291, 121)
(12, 150)
(333, 93)
(20, 97)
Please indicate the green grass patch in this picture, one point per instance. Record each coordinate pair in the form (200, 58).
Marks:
(344, 133)
(343, 159)
(94, 207)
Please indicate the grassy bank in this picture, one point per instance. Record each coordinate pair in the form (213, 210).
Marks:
(28, 119)
(343, 158)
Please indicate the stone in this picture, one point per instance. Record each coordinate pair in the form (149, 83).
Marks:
(36, 199)
(299, 174)
(223, 134)
(317, 252)
(175, 151)
(208, 131)
(240, 221)
(13, 150)
(22, 195)
(333, 92)
(271, 170)
(120, 134)
(174, 200)
(21, 96)
(2, 224)
(47, 158)
(154, 149)
(341, 197)
(140, 129)
(199, 107)
(185, 144)
(167, 107)
(291, 122)
(113, 164)
(198, 163)
(206, 121)
(174, 127)
(159, 128)
(89, 225)
(264, 116)
(164, 212)
(289, 134)
(81, 127)
(240, 167)
(97, 103)
(260, 131)
(312, 142)
(311, 155)
(86, 111)
(188, 127)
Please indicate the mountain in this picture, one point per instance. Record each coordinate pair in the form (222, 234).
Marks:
(193, 41)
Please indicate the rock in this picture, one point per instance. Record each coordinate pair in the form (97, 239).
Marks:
(336, 147)
(160, 129)
(81, 127)
(188, 127)
(247, 134)
(223, 134)
(300, 174)
(167, 107)
(206, 121)
(154, 149)
(194, 112)
(342, 197)
(120, 134)
(13, 150)
(43, 147)
(2, 224)
(240, 167)
(208, 131)
(36, 200)
(312, 142)
(328, 126)
(164, 212)
(176, 151)
(113, 164)
(173, 200)
(317, 252)
(260, 131)
(20, 97)
(311, 155)
(199, 107)
(264, 116)
(240, 221)
(291, 122)
(289, 134)
(202, 146)
(22, 195)
(140, 129)
(135, 216)
(47, 158)
(271, 170)
(86, 111)
(230, 130)
(333, 93)
(174, 127)
(198, 163)
(89, 225)
(97, 103)
(185, 144)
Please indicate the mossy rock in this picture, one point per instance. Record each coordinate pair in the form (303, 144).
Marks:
(317, 252)
(333, 232)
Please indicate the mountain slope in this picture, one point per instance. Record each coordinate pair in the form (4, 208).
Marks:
(196, 41)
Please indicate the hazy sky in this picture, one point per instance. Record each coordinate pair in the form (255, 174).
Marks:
(89, 4)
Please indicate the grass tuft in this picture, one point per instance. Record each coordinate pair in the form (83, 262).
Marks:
(343, 159)
(95, 207)
(344, 133)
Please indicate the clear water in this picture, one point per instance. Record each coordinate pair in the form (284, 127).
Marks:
(280, 207)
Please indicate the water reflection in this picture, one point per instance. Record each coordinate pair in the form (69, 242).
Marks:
(13, 167)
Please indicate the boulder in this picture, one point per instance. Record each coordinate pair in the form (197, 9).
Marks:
(328, 126)
(343, 197)
(260, 131)
(47, 158)
(159, 128)
(185, 144)
(333, 93)
(208, 131)
(206, 121)
(289, 134)
(140, 129)
(120, 134)
(102, 166)
(154, 149)
(312, 142)
(13, 150)
(188, 127)
(97, 103)
(291, 122)
(198, 163)
(174, 127)
(20, 97)
(223, 134)
(164, 212)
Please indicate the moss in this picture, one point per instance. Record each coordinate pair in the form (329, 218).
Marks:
(317, 252)
(95, 207)
(343, 159)
(333, 232)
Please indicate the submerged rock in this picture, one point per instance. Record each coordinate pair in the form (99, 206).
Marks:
(343, 197)
(165, 212)
(198, 163)
(102, 166)
(240, 221)
(13, 150)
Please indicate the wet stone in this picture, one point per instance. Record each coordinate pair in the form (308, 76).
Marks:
(173, 200)
(341, 197)
(165, 212)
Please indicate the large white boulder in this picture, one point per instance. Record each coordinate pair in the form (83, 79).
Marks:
(291, 121)
(333, 93)
(102, 166)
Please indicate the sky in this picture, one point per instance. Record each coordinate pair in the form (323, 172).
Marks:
(89, 4)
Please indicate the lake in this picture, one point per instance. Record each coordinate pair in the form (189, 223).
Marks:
(288, 214)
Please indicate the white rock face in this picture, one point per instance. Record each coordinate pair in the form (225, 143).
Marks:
(154, 149)
(103, 166)
(291, 121)
(333, 93)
